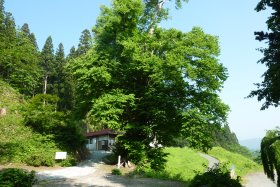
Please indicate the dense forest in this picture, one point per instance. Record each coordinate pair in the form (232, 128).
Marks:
(155, 85)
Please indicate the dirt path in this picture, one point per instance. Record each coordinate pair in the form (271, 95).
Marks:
(98, 176)
(258, 179)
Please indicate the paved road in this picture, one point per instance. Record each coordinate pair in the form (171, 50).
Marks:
(258, 179)
(212, 162)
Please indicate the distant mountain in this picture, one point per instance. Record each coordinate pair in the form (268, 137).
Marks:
(252, 144)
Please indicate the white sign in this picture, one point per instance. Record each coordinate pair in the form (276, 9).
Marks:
(60, 155)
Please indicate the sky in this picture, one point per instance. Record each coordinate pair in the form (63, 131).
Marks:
(234, 22)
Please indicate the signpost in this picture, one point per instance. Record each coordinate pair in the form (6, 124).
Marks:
(60, 155)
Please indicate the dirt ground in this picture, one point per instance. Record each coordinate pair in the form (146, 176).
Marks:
(100, 175)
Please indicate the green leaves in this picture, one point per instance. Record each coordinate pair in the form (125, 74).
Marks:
(268, 90)
(111, 109)
(153, 86)
(270, 154)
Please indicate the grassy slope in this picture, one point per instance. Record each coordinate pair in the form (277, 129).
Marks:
(184, 162)
(18, 142)
(242, 164)
(182, 165)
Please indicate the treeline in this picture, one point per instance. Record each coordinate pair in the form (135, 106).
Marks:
(46, 92)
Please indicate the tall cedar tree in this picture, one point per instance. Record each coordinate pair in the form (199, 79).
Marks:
(152, 86)
(63, 80)
(25, 29)
(48, 66)
(85, 42)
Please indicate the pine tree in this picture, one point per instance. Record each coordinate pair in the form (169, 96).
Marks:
(48, 66)
(63, 80)
(25, 29)
(72, 54)
(85, 42)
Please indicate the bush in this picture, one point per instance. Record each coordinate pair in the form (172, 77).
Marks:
(39, 160)
(116, 171)
(218, 176)
(68, 162)
(13, 177)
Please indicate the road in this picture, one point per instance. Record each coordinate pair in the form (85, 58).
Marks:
(258, 179)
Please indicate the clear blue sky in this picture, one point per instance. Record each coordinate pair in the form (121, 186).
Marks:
(234, 22)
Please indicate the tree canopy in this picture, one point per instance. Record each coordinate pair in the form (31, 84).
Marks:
(152, 86)
(269, 89)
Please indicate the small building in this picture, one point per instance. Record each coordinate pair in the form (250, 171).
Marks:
(101, 140)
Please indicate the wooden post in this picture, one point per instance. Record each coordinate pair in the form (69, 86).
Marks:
(119, 161)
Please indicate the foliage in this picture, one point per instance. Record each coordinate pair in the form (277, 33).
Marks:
(19, 58)
(33, 130)
(242, 164)
(85, 43)
(152, 86)
(269, 89)
(116, 171)
(69, 161)
(23, 144)
(40, 113)
(218, 176)
(13, 177)
(270, 154)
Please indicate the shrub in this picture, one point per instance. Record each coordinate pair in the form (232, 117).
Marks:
(70, 161)
(116, 171)
(215, 177)
(39, 160)
(13, 177)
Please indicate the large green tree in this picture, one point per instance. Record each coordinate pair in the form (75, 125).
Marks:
(269, 89)
(151, 85)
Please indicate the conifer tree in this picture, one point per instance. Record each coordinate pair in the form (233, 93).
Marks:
(25, 29)
(48, 66)
(63, 80)
(85, 42)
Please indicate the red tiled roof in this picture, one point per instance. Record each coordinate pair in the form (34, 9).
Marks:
(100, 133)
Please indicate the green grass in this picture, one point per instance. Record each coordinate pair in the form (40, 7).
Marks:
(242, 164)
(184, 162)
(182, 165)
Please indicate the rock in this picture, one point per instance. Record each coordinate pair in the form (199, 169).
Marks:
(3, 111)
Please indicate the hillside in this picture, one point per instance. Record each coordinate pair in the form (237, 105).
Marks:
(242, 164)
(18, 143)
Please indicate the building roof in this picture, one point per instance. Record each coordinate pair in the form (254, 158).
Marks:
(101, 133)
